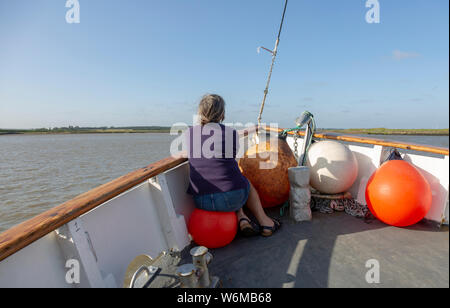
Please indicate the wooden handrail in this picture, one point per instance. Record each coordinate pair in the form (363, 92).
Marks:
(26, 233)
(32, 230)
(368, 140)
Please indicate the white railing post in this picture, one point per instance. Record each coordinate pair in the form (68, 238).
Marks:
(75, 244)
(174, 226)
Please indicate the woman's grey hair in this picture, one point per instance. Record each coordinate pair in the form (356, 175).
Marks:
(211, 109)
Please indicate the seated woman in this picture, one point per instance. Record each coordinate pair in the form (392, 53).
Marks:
(216, 182)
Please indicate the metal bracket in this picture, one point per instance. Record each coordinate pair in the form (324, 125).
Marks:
(258, 50)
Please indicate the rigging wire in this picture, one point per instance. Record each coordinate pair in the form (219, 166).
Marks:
(274, 56)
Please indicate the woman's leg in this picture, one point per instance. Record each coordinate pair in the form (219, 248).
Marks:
(247, 227)
(254, 204)
(240, 214)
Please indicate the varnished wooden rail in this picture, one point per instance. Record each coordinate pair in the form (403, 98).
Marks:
(32, 230)
(368, 140)
(26, 233)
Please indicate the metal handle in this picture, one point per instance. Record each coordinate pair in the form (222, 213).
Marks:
(138, 272)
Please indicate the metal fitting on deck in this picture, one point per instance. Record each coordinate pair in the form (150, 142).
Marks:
(200, 260)
(188, 276)
(197, 275)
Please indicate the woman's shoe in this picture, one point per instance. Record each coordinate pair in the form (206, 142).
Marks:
(269, 231)
(248, 229)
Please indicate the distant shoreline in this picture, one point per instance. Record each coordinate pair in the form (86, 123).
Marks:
(85, 130)
(85, 133)
(141, 130)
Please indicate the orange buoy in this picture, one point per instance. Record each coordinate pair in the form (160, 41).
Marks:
(398, 194)
(212, 229)
(266, 167)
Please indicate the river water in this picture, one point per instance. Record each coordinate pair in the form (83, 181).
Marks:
(42, 171)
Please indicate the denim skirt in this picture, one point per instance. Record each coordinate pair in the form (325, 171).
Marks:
(229, 201)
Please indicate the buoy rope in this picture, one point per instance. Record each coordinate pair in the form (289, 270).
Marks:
(349, 206)
(274, 56)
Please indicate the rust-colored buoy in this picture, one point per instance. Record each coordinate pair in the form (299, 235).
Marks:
(266, 167)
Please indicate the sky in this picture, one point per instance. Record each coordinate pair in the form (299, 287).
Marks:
(148, 62)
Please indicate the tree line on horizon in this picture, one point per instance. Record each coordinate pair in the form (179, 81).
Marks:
(83, 129)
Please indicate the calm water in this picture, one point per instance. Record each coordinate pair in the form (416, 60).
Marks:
(43, 171)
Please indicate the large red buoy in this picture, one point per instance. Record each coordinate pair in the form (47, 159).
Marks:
(398, 194)
(266, 167)
(212, 229)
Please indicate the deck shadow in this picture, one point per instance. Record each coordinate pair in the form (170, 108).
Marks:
(306, 254)
(298, 255)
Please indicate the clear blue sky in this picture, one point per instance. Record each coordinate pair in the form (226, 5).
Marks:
(147, 62)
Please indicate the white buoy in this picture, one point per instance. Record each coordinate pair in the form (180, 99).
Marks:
(333, 166)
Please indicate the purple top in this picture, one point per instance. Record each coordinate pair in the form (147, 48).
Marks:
(211, 151)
